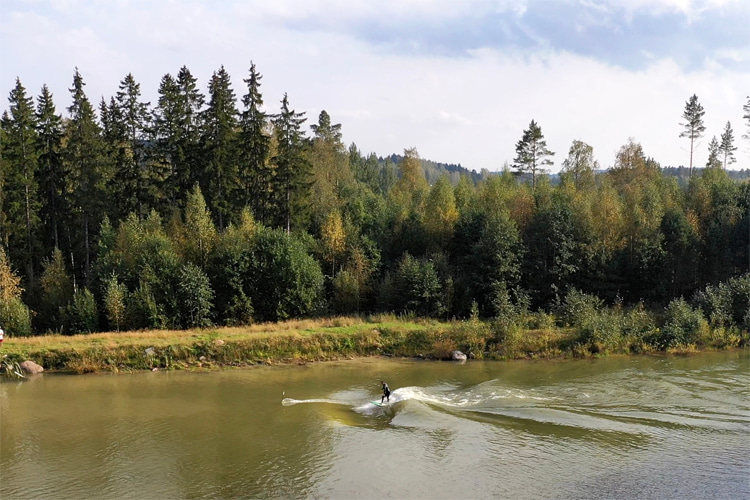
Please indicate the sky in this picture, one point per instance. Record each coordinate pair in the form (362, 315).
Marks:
(459, 80)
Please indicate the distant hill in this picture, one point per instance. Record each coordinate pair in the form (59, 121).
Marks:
(434, 170)
(683, 173)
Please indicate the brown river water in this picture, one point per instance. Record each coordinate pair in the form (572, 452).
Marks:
(618, 427)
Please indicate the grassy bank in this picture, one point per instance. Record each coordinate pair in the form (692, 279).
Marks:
(310, 340)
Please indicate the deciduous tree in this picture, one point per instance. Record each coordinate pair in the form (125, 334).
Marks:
(580, 165)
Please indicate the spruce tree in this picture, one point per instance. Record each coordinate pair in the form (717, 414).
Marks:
(135, 179)
(88, 175)
(727, 147)
(50, 173)
(20, 199)
(693, 126)
(219, 139)
(292, 181)
(255, 171)
(746, 117)
(532, 152)
(177, 126)
(168, 140)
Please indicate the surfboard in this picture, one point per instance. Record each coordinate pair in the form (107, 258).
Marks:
(376, 403)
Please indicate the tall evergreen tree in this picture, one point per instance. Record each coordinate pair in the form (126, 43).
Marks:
(693, 126)
(134, 178)
(255, 171)
(3, 183)
(178, 127)
(746, 117)
(532, 152)
(219, 139)
(114, 135)
(21, 200)
(50, 173)
(727, 147)
(292, 181)
(166, 134)
(88, 175)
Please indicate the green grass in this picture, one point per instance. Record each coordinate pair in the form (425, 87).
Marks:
(303, 341)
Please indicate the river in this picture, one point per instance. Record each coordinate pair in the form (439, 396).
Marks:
(618, 427)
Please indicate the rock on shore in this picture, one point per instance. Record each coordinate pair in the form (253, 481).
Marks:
(31, 368)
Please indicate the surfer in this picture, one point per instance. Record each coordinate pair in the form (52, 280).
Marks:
(386, 393)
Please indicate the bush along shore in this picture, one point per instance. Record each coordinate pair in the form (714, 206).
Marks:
(588, 330)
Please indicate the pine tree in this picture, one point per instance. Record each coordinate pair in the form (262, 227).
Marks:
(291, 184)
(89, 173)
(693, 126)
(532, 152)
(219, 139)
(255, 171)
(746, 117)
(714, 152)
(20, 199)
(727, 147)
(50, 174)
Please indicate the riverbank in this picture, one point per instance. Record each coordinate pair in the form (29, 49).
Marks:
(304, 341)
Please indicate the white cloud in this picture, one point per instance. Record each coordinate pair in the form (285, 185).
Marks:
(469, 110)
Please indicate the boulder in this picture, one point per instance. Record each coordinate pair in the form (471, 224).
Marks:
(458, 356)
(31, 368)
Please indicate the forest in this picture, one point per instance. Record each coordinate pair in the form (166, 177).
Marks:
(202, 209)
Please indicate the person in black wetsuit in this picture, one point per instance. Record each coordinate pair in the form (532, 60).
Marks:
(386, 393)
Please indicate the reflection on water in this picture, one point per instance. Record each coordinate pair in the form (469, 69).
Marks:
(645, 427)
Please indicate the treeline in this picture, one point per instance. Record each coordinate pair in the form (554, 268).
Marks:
(192, 212)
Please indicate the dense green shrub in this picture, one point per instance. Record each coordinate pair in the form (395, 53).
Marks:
(229, 272)
(727, 304)
(638, 324)
(142, 311)
(196, 296)
(286, 281)
(81, 315)
(578, 308)
(601, 330)
(57, 292)
(115, 296)
(684, 326)
(346, 293)
(418, 286)
(15, 317)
